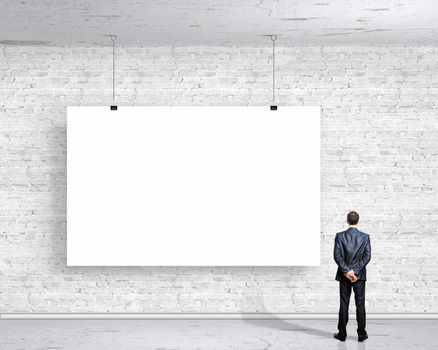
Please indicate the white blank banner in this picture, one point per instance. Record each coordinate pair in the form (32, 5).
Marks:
(193, 186)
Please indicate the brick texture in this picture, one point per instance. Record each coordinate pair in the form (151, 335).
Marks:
(379, 157)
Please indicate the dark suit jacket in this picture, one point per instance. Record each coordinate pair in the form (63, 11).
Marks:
(352, 252)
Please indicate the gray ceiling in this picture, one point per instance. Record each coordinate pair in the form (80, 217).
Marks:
(215, 22)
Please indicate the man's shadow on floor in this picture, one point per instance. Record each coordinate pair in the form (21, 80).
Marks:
(280, 324)
(277, 323)
(274, 322)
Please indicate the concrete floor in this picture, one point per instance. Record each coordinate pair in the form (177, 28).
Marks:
(212, 334)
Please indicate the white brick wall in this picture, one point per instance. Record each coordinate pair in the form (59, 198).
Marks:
(380, 157)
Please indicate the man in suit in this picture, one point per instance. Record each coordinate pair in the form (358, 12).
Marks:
(352, 253)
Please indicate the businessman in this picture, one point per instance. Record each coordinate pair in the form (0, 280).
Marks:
(352, 253)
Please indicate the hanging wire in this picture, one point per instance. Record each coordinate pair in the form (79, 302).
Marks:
(273, 39)
(113, 39)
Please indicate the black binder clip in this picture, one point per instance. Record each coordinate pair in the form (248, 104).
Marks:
(273, 108)
(113, 108)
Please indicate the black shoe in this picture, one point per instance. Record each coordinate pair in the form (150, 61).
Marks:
(363, 338)
(339, 337)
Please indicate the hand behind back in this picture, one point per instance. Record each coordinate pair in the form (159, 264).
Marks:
(351, 276)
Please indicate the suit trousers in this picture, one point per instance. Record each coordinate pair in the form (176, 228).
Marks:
(345, 287)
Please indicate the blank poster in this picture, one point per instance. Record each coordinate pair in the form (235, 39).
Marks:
(193, 186)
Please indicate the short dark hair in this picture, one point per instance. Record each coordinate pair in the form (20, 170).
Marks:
(352, 218)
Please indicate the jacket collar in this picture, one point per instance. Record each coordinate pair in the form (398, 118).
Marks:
(352, 228)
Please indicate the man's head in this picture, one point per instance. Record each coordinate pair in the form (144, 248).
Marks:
(352, 218)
